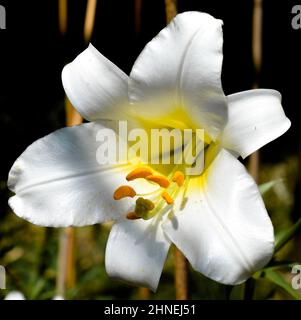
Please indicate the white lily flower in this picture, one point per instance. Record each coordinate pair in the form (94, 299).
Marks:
(217, 219)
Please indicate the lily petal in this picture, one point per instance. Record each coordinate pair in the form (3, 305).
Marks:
(184, 62)
(95, 86)
(58, 181)
(255, 118)
(136, 252)
(224, 229)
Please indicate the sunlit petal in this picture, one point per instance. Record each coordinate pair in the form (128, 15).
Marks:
(136, 252)
(58, 181)
(256, 117)
(223, 227)
(95, 86)
(183, 66)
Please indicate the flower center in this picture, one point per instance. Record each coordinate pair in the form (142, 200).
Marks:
(146, 208)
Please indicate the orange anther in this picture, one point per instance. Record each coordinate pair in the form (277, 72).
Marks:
(124, 191)
(132, 216)
(178, 178)
(141, 172)
(166, 196)
(160, 180)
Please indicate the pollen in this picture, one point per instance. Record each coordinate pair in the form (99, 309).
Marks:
(178, 178)
(160, 180)
(166, 196)
(132, 216)
(123, 192)
(141, 172)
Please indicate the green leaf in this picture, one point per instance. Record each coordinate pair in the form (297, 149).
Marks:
(278, 279)
(284, 236)
(265, 187)
(274, 265)
(37, 289)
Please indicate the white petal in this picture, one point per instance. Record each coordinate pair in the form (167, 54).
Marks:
(136, 251)
(58, 181)
(14, 295)
(184, 61)
(224, 229)
(95, 86)
(255, 118)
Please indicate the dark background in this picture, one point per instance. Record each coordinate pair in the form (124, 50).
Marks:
(33, 53)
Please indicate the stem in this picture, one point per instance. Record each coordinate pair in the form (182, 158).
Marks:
(63, 6)
(138, 8)
(70, 258)
(181, 275)
(144, 293)
(254, 162)
(66, 269)
(73, 118)
(257, 37)
(257, 60)
(89, 20)
(170, 9)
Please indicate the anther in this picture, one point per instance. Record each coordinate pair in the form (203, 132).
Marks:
(178, 178)
(132, 216)
(124, 191)
(166, 196)
(141, 172)
(160, 180)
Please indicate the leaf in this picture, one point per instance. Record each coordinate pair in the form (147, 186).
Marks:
(274, 265)
(284, 236)
(265, 187)
(278, 279)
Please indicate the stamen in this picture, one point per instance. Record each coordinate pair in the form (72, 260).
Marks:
(143, 206)
(132, 216)
(160, 180)
(141, 172)
(166, 196)
(178, 178)
(124, 191)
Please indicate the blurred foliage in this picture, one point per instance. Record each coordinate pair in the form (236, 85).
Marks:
(29, 254)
